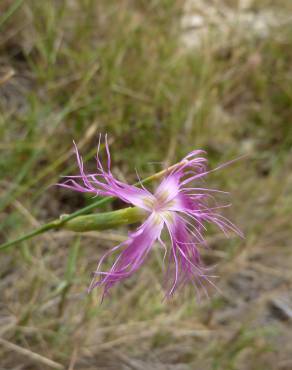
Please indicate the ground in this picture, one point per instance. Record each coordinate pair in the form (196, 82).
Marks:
(161, 78)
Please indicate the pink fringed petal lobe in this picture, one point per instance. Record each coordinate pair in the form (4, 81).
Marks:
(185, 265)
(103, 183)
(132, 254)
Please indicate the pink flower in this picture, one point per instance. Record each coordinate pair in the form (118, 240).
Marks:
(175, 206)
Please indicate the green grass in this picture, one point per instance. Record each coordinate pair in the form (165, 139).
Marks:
(84, 67)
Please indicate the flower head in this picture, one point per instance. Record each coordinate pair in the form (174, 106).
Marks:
(181, 209)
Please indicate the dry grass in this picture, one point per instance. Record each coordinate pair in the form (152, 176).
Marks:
(69, 69)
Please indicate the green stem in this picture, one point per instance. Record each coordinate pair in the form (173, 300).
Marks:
(40, 230)
(59, 223)
(56, 224)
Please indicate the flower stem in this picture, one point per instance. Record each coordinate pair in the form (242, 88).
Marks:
(40, 230)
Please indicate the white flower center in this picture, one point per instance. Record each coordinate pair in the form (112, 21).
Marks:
(159, 202)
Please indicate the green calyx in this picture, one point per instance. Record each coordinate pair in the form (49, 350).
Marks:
(106, 220)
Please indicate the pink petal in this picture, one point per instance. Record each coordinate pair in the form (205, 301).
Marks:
(134, 251)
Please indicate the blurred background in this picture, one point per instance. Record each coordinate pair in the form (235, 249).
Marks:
(161, 77)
